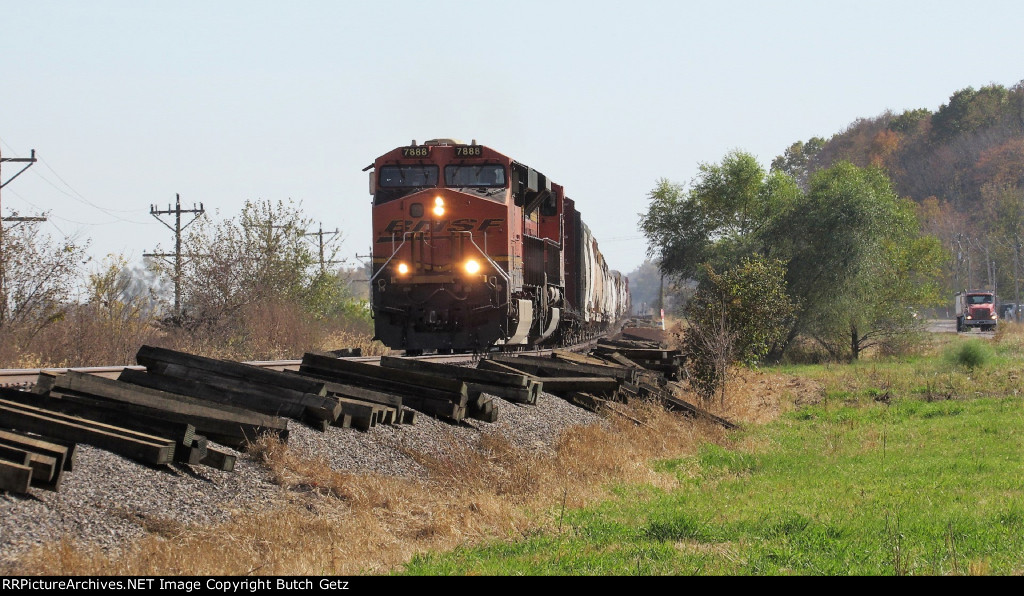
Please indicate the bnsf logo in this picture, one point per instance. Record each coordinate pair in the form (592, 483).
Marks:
(397, 227)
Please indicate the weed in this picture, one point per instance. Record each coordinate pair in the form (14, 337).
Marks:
(971, 354)
(895, 543)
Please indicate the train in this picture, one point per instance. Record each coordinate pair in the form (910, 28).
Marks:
(474, 251)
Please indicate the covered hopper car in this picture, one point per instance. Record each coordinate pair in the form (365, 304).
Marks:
(473, 250)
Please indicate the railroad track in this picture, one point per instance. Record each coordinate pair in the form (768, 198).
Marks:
(19, 377)
(16, 377)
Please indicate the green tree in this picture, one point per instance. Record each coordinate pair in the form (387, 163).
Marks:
(856, 259)
(969, 109)
(796, 160)
(909, 121)
(678, 233)
(720, 219)
(735, 317)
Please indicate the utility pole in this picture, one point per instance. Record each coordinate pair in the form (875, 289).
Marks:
(1016, 280)
(177, 228)
(969, 286)
(990, 269)
(661, 299)
(28, 161)
(367, 262)
(959, 261)
(320, 235)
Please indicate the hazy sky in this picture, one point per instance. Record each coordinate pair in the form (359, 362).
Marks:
(128, 103)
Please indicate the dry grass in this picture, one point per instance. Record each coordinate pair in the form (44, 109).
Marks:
(343, 523)
(86, 335)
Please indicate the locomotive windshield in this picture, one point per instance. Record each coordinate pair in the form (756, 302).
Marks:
(399, 181)
(477, 175)
(418, 176)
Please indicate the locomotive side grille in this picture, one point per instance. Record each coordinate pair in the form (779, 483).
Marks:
(533, 261)
(553, 262)
(541, 256)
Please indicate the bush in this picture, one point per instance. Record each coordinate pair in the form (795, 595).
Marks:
(971, 354)
(734, 317)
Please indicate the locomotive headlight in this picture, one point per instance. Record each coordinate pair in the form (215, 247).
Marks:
(403, 269)
(472, 266)
(438, 206)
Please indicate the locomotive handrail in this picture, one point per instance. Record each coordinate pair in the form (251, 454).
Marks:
(395, 252)
(508, 279)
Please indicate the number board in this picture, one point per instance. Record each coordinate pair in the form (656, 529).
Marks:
(415, 151)
(469, 151)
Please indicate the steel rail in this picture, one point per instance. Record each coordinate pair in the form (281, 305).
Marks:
(17, 377)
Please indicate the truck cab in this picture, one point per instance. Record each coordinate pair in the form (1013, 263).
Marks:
(976, 308)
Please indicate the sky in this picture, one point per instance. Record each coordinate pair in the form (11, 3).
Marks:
(128, 104)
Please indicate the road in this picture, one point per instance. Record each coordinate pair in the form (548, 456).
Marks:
(941, 325)
(949, 326)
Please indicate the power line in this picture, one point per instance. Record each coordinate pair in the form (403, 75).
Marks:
(74, 221)
(77, 196)
(80, 195)
(87, 202)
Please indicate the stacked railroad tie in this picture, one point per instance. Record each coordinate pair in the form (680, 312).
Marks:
(615, 371)
(315, 402)
(27, 460)
(403, 387)
(182, 406)
(175, 411)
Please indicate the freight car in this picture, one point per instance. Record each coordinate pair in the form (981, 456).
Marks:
(473, 250)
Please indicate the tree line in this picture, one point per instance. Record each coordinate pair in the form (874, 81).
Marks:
(252, 287)
(835, 248)
(962, 165)
(838, 263)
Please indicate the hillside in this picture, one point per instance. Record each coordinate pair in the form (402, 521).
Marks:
(963, 164)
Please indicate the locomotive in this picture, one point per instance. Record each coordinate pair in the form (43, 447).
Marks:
(473, 251)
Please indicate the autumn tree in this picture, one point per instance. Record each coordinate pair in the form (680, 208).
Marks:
(256, 278)
(38, 277)
(114, 318)
(1005, 234)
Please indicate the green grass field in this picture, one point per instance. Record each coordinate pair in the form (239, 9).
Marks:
(903, 467)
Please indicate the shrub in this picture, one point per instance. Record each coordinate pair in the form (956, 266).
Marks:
(972, 354)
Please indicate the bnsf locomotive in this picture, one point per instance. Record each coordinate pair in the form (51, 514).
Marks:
(473, 250)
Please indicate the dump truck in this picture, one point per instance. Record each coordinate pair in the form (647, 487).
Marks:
(976, 308)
